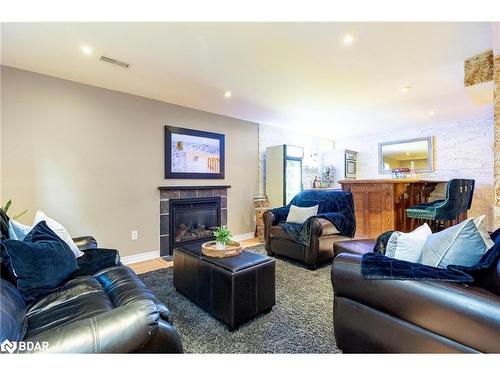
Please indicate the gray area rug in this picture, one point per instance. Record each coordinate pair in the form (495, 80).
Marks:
(300, 322)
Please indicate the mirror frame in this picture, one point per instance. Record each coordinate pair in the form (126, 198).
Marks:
(430, 153)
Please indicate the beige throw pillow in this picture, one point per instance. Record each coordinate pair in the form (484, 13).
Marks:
(299, 215)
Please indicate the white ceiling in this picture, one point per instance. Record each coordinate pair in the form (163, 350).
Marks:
(293, 75)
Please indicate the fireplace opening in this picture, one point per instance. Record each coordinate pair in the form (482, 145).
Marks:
(193, 219)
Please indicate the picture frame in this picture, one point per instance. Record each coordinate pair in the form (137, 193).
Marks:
(194, 154)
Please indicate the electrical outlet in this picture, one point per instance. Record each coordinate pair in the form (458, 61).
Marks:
(135, 234)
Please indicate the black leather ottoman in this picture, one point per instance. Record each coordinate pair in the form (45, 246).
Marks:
(233, 289)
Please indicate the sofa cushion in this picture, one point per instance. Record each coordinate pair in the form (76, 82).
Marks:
(59, 230)
(80, 298)
(460, 244)
(87, 297)
(40, 263)
(311, 203)
(408, 246)
(480, 223)
(299, 215)
(124, 287)
(18, 231)
(13, 322)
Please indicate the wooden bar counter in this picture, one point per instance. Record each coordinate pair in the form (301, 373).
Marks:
(380, 204)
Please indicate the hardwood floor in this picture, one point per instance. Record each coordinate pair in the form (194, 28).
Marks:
(150, 265)
(158, 263)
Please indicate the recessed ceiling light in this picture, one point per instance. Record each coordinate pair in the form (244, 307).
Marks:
(348, 39)
(87, 50)
(431, 112)
(227, 94)
(404, 89)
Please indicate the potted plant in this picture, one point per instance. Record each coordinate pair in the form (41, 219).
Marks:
(6, 209)
(222, 237)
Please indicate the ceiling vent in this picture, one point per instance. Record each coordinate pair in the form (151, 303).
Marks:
(110, 60)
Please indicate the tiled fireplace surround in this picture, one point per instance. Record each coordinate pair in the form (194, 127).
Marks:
(168, 193)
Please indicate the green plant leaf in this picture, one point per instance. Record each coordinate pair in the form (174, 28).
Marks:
(19, 215)
(7, 205)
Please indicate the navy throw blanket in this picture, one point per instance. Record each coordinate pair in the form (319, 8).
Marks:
(95, 260)
(378, 266)
(334, 206)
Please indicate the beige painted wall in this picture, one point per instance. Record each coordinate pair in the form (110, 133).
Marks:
(461, 150)
(93, 158)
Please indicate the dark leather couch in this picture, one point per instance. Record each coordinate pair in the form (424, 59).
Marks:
(110, 311)
(320, 249)
(396, 316)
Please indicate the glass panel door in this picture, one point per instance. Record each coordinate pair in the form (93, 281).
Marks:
(293, 179)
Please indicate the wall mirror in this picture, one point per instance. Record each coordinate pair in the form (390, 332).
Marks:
(400, 154)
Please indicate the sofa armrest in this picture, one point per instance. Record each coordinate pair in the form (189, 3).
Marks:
(464, 314)
(322, 227)
(85, 242)
(280, 213)
(269, 220)
(125, 329)
(165, 340)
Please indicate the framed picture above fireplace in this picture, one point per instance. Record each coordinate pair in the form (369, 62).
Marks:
(193, 154)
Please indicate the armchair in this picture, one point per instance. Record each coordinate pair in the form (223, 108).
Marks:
(322, 232)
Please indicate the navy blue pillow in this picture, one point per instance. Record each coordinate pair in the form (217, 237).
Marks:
(40, 263)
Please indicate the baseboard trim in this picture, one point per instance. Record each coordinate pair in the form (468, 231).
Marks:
(140, 257)
(156, 254)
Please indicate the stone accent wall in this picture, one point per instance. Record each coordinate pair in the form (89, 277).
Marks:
(478, 69)
(461, 149)
(496, 78)
(313, 146)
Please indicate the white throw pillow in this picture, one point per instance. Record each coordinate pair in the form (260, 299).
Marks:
(18, 231)
(460, 244)
(59, 230)
(408, 246)
(299, 215)
(481, 227)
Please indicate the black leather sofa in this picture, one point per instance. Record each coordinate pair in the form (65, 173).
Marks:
(405, 316)
(111, 311)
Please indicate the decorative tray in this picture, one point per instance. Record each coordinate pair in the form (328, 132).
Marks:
(232, 249)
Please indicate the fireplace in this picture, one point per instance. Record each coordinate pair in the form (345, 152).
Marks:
(187, 213)
(193, 220)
